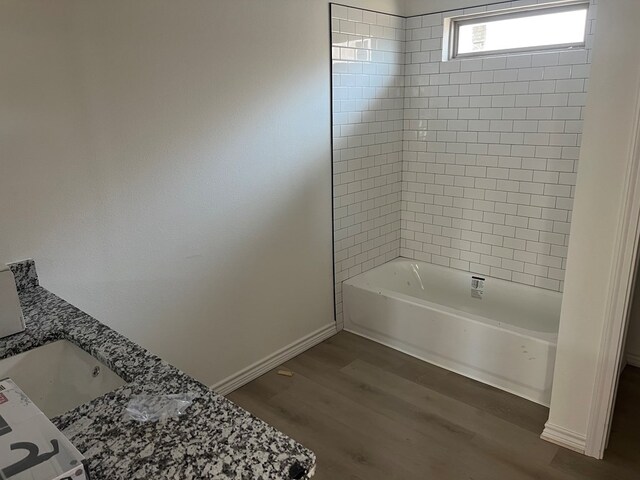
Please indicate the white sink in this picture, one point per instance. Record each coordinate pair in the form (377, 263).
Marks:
(59, 376)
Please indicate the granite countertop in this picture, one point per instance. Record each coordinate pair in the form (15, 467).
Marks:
(215, 439)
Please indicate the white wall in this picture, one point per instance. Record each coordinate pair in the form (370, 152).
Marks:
(615, 76)
(167, 164)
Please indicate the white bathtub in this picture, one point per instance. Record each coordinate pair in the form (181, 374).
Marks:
(506, 339)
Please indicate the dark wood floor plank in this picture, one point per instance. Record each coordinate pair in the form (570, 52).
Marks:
(513, 438)
(334, 444)
(496, 446)
(398, 447)
(379, 400)
(372, 413)
(332, 355)
(581, 467)
(331, 464)
(517, 410)
(380, 355)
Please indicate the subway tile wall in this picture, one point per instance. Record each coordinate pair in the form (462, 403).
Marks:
(468, 163)
(490, 155)
(368, 102)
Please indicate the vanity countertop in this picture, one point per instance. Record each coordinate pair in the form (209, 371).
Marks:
(215, 439)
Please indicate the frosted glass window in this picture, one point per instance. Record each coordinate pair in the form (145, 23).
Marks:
(539, 28)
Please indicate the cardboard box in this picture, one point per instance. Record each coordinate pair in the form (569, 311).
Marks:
(31, 447)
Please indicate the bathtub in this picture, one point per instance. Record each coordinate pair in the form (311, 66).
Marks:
(505, 338)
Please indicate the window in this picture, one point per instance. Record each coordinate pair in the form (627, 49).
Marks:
(516, 30)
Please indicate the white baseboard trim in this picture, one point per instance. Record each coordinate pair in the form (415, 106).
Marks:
(269, 362)
(633, 359)
(564, 437)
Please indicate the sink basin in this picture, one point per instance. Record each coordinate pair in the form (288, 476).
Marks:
(59, 376)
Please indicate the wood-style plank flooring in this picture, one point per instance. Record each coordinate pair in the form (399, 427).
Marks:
(370, 412)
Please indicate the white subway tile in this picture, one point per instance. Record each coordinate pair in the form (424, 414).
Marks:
(519, 198)
(547, 283)
(534, 269)
(513, 265)
(545, 59)
(573, 57)
(549, 261)
(542, 86)
(481, 77)
(510, 75)
(494, 63)
(432, 20)
(506, 208)
(452, 66)
(507, 232)
(519, 61)
(557, 72)
(554, 100)
(567, 113)
(519, 113)
(515, 244)
(544, 201)
(503, 101)
(470, 64)
(516, 88)
(525, 126)
(500, 273)
(414, 22)
(536, 138)
(529, 74)
(528, 100)
(496, 196)
(468, 163)
(492, 89)
(529, 211)
(537, 247)
(569, 86)
(540, 113)
(369, 17)
(552, 126)
(523, 278)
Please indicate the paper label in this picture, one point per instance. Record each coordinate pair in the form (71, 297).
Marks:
(31, 447)
(477, 287)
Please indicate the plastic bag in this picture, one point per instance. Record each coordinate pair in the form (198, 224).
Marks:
(154, 408)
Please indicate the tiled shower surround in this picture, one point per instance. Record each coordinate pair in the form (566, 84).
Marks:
(489, 152)
(368, 119)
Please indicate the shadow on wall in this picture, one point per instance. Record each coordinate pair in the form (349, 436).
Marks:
(168, 181)
(368, 96)
(633, 334)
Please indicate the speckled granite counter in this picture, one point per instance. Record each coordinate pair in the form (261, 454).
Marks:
(215, 439)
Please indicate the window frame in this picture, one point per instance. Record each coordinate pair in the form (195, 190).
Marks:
(452, 26)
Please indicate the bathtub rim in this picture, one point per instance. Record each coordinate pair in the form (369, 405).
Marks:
(549, 337)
